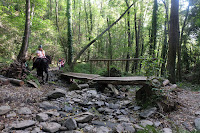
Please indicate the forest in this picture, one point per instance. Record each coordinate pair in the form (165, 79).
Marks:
(108, 38)
(143, 31)
(134, 29)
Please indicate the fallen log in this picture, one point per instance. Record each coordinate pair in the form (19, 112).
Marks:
(4, 81)
(16, 81)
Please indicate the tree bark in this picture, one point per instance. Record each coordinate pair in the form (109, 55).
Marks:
(153, 29)
(94, 40)
(136, 42)
(24, 47)
(110, 42)
(173, 40)
(69, 33)
(129, 38)
(165, 45)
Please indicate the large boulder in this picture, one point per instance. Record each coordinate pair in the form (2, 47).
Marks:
(57, 93)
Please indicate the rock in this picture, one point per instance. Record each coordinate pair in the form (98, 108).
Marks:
(62, 128)
(165, 82)
(82, 125)
(21, 131)
(68, 109)
(125, 102)
(136, 108)
(148, 112)
(197, 113)
(167, 130)
(83, 86)
(123, 118)
(144, 94)
(70, 124)
(114, 90)
(137, 127)
(42, 117)
(76, 100)
(36, 130)
(50, 127)
(1, 126)
(88, 128)
(157, 124)
(197, 124)
(22, 124)
(47, 105)
(101, 129)
(74, 86)
(144, 123)
(24, 111)
(52, 113)
(114, 106)
(92, 92)
(32, 84)
(108, 111)
(4, 110)
(174, 86)
(99, 103)
(57, 93)
(124, 112)
(12, 114)
(84, 117)
(104, 123)
(125, 127)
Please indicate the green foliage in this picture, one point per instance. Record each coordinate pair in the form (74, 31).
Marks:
(33, 78)
(189, 86)
(82, 68)
(151, 66)
(149, 129)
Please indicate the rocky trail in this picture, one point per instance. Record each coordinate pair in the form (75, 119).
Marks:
(53, 108)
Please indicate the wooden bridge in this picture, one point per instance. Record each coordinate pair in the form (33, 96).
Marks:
(134, 80)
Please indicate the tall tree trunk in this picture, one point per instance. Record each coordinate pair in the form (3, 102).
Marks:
(179, 76)
(153, 29)
(173, 40)
(110, 42)
(165, 45)
(69, 34)
(94, 40)
(89, 27)
(129, 37)
(24, 47)
(136, 42)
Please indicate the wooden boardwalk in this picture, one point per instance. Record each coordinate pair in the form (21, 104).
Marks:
(81, 76)
(134, 80)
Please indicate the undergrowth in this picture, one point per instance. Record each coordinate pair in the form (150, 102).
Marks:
(189, 86)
